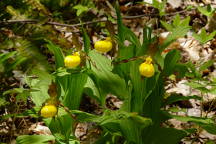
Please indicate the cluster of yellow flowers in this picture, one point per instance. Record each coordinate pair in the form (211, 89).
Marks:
(146, 69)
(71, 61)
(74, 60)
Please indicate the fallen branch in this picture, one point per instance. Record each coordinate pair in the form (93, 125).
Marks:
(34, 21)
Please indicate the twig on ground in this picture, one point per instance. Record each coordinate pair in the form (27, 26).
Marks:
(34, 21)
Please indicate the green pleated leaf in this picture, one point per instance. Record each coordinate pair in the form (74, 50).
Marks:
(166, 136)
(91, 89)
(107, 81)
(40, 86)
(128, 124)
(34, 139)
(206, 123)
(61, 125)
(177, 97)
(113, 121)
(132, 127)
(84, 116)
(74, 89)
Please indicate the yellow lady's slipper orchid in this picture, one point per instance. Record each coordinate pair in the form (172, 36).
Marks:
(72, 61)
(103, 46)
(48, 111)
(147, 69)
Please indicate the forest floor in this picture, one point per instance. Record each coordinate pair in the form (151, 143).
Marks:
(136, 17)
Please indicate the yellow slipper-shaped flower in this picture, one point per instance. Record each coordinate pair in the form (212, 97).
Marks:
(147, 69)
(48, 111)
(103, 46)
(72, 61)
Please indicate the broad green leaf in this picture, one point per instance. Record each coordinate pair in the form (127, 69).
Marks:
(41, 84)
(34, 139)
(152, 105)
(142, 88)
(123, 69)
(132, 131)
(166, 136)
(84, 116)
(73, 89)
(107, 81)
(61, 125)
(107, 138)
(206, 123)
(120, 121)
(73, 141)
(132, 127)
(91, 89)
(176, 97)
(113, 121)
(199, 86)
